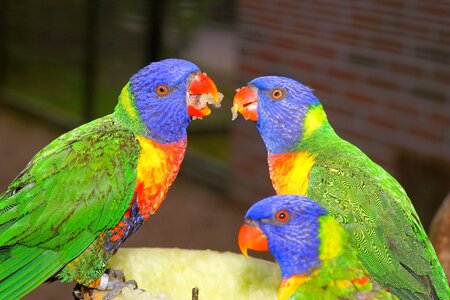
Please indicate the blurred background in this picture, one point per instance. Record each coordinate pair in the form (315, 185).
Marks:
(380, 68)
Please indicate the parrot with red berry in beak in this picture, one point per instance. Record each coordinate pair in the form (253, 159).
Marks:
(313, 250)
(85, 193)
(306, 157)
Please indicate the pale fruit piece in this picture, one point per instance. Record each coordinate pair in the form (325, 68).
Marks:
(173, 273)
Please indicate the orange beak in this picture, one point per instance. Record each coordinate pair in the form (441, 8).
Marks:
(251, 237)
(246, 103)
(202, 91)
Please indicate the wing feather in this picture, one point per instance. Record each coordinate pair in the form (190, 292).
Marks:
(76, 188)
(382, 222)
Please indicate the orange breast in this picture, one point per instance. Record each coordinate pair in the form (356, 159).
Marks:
(158, 165)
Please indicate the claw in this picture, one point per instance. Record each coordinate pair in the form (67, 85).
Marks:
(116, 286)
(116, 275)
(112, 283)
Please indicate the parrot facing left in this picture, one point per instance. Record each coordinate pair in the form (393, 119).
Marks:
(316, 257)
(82, 195)
(306, 157)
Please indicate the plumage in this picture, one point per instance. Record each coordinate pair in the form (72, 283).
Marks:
(313, 250)
(81, 196)
(306, 157)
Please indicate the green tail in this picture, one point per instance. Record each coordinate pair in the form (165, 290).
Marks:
(23, 269)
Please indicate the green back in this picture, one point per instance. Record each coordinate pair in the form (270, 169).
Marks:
(377, 213)
(73, 190)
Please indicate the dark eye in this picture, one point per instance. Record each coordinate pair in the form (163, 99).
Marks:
(162, 89)
(282, 216)
(277, 94)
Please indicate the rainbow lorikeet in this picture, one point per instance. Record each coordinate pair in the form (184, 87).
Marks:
(81, 196)
(316, 257)
(306, 157)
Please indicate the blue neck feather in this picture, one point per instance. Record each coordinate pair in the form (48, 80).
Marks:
(301, 256)
(295, 244)
(166, 122)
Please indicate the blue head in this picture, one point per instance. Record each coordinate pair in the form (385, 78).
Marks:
(287, 226)
(161, 99)
(278, 105)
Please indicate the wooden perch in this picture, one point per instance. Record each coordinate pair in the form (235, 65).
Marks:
(440, 234)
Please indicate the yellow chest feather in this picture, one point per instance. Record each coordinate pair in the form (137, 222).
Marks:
(290, 172)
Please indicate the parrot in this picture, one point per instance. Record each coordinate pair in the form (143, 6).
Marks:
(312, 248)
(306, 157)
(82, 195)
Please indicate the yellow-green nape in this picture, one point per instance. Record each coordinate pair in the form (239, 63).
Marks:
(127, 103)
(127, 112)
(314, 119)
(332, 238)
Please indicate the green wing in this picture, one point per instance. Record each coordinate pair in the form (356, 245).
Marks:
(77, 187)
(381, 220)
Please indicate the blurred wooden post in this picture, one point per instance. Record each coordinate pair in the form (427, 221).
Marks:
(90, 59)
(440, 234)
(3, 42)
(155, 18)
(195, 293)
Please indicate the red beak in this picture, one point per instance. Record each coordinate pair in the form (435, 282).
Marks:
(251, 237)
(202, 91)
(246, 103)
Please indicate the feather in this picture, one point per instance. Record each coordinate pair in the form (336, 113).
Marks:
(371, 205)
(81, 196)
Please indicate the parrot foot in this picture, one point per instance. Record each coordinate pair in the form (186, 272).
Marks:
(116, 286)
(110, 285)
(114, 282)
(111, 275)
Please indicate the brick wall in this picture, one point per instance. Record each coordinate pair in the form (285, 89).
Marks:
(380, 68)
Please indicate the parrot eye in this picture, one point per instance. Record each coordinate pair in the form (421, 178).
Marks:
(282, 216)
(277, 94)
(162, 89)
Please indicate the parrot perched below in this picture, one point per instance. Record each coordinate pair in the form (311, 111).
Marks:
(313, 250)
(306, 157)
(82, 195)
